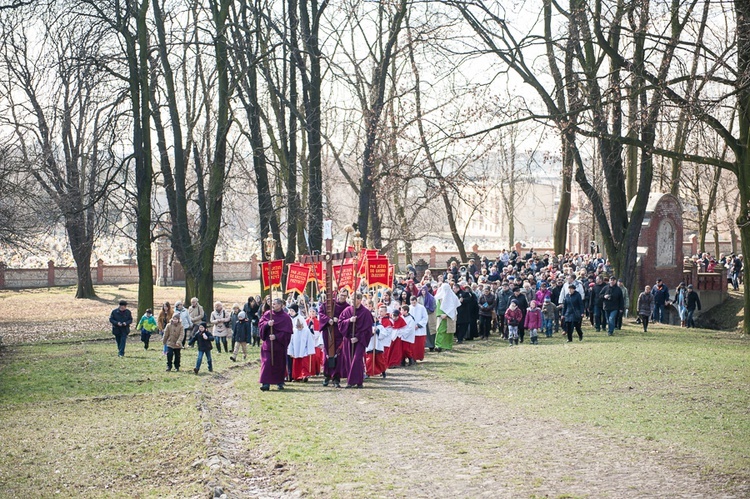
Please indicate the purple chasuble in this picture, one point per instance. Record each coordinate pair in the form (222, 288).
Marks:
(282, 330)
(363, 332)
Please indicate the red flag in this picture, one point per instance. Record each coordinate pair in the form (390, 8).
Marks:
(364, 254)
(378, 271)
(391, 275)
(344, 275)
(320, 275)
(265, 278)
(312, 267)
(272, 273)
(297, 277)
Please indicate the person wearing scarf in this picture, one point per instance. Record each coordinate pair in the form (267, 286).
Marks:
(446, 309)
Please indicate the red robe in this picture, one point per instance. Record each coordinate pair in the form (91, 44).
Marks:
(396, 353)
(377, 362)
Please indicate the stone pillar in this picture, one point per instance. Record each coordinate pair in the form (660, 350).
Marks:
(50, 273)
(254, 267)
(100, 271)
(162, 259)
(433, 257)
(2, 275)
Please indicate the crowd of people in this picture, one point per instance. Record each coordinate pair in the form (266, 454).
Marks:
(182, 327)
(514, 296)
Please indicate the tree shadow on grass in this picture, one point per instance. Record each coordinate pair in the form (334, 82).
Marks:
(226, 285)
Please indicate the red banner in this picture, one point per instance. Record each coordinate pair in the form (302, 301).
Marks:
(378, 271)
(344, 275)
(391, 275)
(297, 277)
(313, 269)
(271, 273)
(320, 275)
(364, 254)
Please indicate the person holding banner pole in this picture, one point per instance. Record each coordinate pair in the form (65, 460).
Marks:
(333, 339)
(358, 322)
(275, 333)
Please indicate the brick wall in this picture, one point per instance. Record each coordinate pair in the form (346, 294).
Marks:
(54, 276)
(666, 208)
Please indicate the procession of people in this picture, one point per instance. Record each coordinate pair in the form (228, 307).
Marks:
(369, 332)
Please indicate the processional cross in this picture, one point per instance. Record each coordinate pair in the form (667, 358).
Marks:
(328, 257)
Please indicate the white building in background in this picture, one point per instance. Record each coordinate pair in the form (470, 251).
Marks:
(538, 195)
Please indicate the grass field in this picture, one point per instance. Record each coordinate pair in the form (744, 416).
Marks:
(480, 420)
(44, 314)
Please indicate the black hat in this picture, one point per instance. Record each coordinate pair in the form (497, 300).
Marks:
(123, 303)
(294, 307)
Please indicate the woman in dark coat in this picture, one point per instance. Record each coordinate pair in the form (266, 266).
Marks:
(251, 309)
(645, 307)
(573, 312)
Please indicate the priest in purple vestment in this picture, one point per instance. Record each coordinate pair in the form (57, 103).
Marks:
(333, 373)
(275, 329)
(356, 323)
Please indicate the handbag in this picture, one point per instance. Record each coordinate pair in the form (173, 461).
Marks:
(331, 362)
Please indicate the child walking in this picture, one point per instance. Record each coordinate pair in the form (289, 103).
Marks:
(548, 312)
(205, 343)
(146, 326)
(513, 317)
(240, 336)
(533, 321)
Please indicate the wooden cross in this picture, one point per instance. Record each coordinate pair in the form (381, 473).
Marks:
(328, 257)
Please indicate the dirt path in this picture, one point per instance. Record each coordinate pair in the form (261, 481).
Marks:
(433, 438)
(237, 471)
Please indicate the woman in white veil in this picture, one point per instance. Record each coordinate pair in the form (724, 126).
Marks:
(446, 309)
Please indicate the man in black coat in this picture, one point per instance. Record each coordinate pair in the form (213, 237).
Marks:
(596, 303)
(555, 297)
(121, 319)
(463, 319)
(523, 304)
(613, 302)
(693, 302)
(661, 295)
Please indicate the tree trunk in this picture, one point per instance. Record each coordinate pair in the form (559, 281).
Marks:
(143, 167)
(293, 210)
(560, 231)
(311, 86)
(82, 257)
(372, 116)
(442, 184)
(742, 8)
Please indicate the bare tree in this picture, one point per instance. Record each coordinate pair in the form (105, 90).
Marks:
(63, 114)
